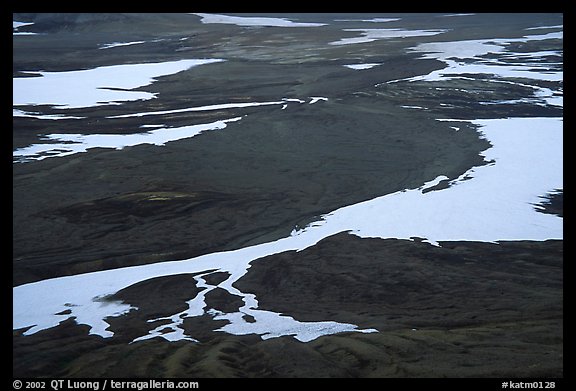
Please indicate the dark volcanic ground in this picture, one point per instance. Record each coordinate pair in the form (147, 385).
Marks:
(223, 189)
(465, 309)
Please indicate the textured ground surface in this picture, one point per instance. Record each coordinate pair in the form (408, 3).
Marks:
(465, 309)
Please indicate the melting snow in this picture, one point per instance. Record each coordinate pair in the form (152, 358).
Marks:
(93, 87)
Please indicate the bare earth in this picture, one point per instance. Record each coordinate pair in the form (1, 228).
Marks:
(464, 309)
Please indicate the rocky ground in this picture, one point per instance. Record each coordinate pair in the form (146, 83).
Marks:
(464, 309)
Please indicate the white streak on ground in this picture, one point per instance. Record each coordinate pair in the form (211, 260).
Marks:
(36, 304)
(30, 114)
(557, 26)
(222, 106)
(119, 44)
(370, 35)
(487, 203)
(496, 204)
(251, 21)
(16, 24)
(451, 52)
(453, 15)
(97, 86)
(373, 20)
(362, 66)
(69, 144)
(315, 99)
(60, 145)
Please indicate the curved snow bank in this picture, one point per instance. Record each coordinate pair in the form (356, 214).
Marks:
(94, 87)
